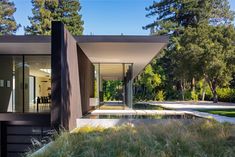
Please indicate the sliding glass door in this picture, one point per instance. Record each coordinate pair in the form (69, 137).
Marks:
(25, 83)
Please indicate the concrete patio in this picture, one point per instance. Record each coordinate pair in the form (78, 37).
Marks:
(191, 105)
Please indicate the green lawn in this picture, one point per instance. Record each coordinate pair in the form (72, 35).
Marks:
(228, 113)
(196, 138)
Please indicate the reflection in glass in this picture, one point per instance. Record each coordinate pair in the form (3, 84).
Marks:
(37, 79)
(11, 88)
(25, 87)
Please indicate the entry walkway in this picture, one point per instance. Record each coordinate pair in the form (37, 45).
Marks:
(191, 107)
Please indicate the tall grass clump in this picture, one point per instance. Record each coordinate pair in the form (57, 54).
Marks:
(197, 138)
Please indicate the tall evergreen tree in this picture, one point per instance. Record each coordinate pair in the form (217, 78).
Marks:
(45, 11)
(181, 19)
(8, 25)
(68, 13)
(174, 15)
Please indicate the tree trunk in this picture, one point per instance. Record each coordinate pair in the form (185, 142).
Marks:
(215, 96)
(182, 89)
(193, 84)
(203, 90)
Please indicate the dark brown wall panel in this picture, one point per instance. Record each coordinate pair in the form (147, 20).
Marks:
(72, 79)
(86, 73)
(66, 98)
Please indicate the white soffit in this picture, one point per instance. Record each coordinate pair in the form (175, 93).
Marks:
(138, 53)
(25, 44)
(25, 48)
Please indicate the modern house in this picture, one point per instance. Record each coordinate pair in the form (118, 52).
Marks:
(50, 81)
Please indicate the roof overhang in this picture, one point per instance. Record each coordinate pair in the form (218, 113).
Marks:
(138, 50)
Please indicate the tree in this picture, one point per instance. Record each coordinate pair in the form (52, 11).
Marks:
(67, 12)
(148, 83)
(45, 11)
(188, 23)
(215, 55)
(8, 25)
(172, 16)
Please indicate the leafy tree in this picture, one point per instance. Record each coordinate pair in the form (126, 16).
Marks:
(148, 83)
(45, 11)
(191, 23)
(112, 90)
(8, 25)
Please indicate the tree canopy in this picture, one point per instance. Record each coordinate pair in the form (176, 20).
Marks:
(45, 11)
(8, 25)
(201, 45)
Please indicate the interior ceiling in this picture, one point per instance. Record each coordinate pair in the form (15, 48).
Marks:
(140, 54)
(35, 63)
(111, 71)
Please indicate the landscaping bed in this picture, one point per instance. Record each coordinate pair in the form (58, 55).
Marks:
(171, 139)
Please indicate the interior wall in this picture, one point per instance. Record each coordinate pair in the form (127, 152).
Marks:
(42, 86)
(6, 75)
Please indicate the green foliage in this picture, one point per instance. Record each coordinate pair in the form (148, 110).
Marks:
(226, 94)
(201, 45)
(148, 83)
(8, 25)
(160, 96)
(172, 138)
(194, 96)
(112, 90)
(173, 16)
(45, 11)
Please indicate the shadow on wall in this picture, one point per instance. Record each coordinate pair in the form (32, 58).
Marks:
(66, 85)
(72, 79)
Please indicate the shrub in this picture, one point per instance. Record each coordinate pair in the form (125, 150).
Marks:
(194, 96)
(226, 94)
(160, 96)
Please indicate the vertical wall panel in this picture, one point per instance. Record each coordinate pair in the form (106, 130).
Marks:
(72, 79)
(86, 73)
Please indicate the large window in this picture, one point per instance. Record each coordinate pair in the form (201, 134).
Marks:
(112, 84)
(25, 83)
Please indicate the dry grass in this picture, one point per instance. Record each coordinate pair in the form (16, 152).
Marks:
(199, 138)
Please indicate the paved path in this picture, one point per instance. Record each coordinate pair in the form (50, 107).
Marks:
(137, 112)
(192, 106)
(177, 105)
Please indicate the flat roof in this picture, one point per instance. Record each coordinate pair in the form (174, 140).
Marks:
(85, 38)
(139, 50)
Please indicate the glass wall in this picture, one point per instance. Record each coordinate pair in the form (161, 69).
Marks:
(25, 83)
(37, 79)
(112, 85)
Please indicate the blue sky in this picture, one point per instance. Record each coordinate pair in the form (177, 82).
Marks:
(103, 17)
